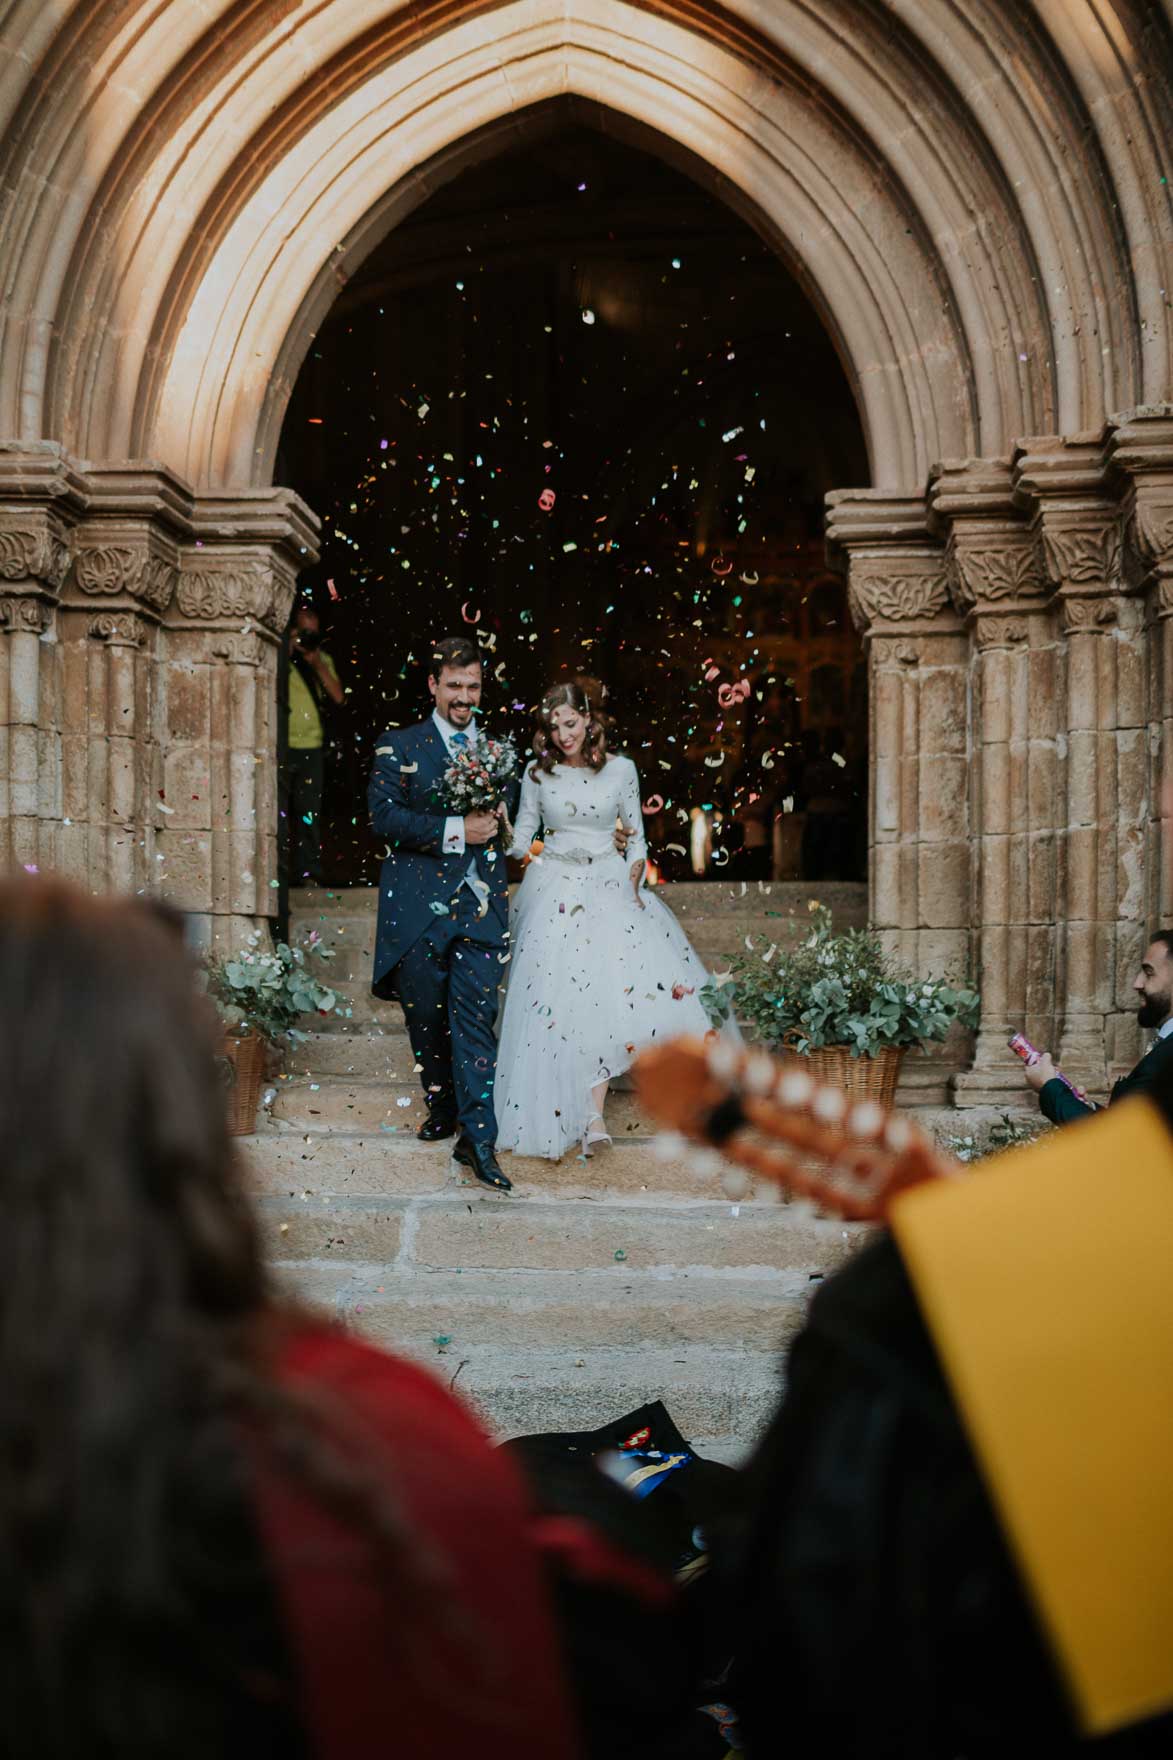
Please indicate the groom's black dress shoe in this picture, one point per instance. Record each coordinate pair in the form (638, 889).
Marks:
(436, 1127)
(481, 1159)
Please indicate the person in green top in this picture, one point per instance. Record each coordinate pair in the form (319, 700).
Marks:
(313, 681)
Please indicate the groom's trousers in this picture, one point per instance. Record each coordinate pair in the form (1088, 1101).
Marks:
(448, 983)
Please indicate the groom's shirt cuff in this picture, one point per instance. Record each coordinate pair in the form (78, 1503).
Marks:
(454, 837)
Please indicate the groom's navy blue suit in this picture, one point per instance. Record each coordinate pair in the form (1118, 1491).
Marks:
(438, 947)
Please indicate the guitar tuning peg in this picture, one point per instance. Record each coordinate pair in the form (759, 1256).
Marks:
(866, 1119)
(723, 1059)
(829, 1104)
(795, 1087)
(759, 1075)
(705, 1163)
(897, 1135)
(669, 1146)
(735, 1183)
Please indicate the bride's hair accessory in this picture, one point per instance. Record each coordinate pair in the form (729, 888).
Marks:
(585, 696)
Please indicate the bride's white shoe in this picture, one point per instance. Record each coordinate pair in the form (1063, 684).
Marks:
(593, 1139)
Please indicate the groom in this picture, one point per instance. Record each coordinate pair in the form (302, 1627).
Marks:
(442, 936)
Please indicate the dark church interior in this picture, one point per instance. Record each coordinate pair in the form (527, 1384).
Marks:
(576, 405)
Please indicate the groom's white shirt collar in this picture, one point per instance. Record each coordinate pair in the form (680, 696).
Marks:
(448, 733)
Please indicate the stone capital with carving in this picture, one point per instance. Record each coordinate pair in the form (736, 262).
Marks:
(894, 594)
(1088, 614)
(118, 629)
(240, 649)
(999, 631)
(21, 612)
(226, 590)
(895, 651)
(107, 567)
(992, 571)
(1148, 534)
(1160, 602)
(32, 548)
(1083, 556)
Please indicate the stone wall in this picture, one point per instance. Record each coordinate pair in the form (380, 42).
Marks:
(138, 634)
(977, 202)
(1015, 620)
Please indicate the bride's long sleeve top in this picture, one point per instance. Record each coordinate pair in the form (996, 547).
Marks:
(577, 808)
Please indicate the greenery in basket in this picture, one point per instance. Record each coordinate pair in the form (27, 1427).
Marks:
(835, 989)
(267, 992)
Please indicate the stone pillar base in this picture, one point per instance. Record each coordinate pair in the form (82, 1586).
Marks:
(996, 1078)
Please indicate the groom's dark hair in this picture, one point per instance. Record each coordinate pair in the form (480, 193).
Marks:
(454, 652)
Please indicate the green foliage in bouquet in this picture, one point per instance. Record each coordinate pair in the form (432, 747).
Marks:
(835, 989)
(268, 991)
(476, 779)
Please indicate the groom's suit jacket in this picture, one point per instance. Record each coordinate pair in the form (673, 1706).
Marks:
(405, 778)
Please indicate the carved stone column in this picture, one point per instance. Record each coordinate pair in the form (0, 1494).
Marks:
(126, 552)
(138, 632)
(1139, 458)
(1077, 528)
(39, 497)
(235, 587)
(997, 585)
(918, 842)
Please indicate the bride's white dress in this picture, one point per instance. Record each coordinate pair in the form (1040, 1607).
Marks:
(592, 978)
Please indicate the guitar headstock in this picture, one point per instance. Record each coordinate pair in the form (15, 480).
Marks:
(772, 1119)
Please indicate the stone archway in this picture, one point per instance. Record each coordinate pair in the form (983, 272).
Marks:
(977, 205)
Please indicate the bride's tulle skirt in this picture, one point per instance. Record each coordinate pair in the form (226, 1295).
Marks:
(593, 979)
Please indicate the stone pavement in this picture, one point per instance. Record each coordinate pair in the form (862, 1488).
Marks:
(596, 1284)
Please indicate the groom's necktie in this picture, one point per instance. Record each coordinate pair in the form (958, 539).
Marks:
(461, 743)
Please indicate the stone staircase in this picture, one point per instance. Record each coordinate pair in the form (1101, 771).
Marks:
(595, 1285)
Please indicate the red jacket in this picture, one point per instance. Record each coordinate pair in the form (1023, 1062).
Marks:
(381, 1675)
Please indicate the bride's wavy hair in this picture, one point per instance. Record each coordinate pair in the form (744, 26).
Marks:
(585, 696)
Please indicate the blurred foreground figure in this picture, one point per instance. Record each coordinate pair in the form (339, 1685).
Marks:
(961, 1539)
(226, 1529)
(957, 1538)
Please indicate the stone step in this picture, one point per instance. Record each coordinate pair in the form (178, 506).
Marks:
(343, 1164)
(542, 1310)
(845, 899)
(715, 938)
(366, 1056)
(445, 1233)
(720, 1400)
(316, 1104)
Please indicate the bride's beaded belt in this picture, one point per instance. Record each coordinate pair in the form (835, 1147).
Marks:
(580, 857)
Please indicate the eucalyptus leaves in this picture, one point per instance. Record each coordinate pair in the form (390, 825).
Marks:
(835, 989)
(266, 992)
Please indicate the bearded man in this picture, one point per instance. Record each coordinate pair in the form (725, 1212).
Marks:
(1153, 985)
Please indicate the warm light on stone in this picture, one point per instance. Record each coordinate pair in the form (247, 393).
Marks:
(978, 210)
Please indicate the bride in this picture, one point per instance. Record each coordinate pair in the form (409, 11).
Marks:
(600, 967)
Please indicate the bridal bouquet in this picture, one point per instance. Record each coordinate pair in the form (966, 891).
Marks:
(475, 781)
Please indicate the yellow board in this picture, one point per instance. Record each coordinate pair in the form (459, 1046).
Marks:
(1046, 1280)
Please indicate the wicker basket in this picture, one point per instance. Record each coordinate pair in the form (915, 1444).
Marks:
(244, 1059)
(862, 1078)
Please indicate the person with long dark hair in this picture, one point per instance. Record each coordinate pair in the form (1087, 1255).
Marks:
(226, 1528)
(600, 967)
